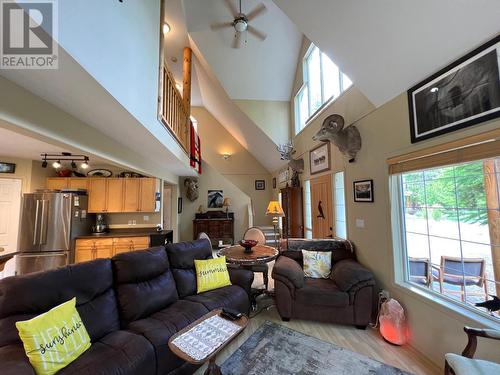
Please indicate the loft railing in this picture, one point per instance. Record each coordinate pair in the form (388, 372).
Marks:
(172, 111)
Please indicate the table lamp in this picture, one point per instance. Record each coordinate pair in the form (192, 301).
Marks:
(226, 203)
(274, 209)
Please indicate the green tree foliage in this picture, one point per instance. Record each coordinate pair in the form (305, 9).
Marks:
(451, 193)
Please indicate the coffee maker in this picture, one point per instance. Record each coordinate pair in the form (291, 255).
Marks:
(100, 224)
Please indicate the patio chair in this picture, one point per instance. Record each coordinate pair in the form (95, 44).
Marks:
(420, 271)
(258, 235)
(461, 272)
(465, 364)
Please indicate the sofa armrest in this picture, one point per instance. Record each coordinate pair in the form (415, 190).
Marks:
(289, 269)
(241, 277)
(350, 276)
(14, 361)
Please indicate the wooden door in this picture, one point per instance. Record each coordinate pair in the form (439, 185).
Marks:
(114, 195)
(131, 195)
(57, 183)
(292, 203)
(321, 206)
(78, 183)
(97, 195)
(147, 195)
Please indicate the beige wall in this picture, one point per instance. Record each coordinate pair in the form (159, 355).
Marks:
(385, 132)
(211, 179)
(30, 172)
(272, 117)
(241, 169)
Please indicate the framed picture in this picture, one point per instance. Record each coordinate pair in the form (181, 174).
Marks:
(260, 185)
(283, 176)
(7, 167)
(463, 94)
(215, 198)
(319, 158)
(363, 191)
(179, 205)
(274, 182)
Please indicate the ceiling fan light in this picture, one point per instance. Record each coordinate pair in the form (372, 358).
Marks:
(240, 25)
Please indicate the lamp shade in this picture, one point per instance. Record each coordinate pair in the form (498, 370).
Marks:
(227, 202)
(274, 209)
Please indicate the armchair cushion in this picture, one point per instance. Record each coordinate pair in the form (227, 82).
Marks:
(289, 269)
(468, 366)
(348, 273)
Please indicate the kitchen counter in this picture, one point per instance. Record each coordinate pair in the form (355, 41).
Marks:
(139, 232)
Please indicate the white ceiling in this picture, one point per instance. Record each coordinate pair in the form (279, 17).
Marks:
(388, 46)
(259, 70)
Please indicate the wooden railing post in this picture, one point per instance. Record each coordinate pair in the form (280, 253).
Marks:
(186, 89)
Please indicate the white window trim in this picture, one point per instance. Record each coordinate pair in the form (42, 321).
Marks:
(400, 268)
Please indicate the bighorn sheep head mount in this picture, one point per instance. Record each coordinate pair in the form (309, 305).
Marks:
(191, 185)
(347, 140)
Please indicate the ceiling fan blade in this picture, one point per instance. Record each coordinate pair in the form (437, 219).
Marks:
(221, 25)
(258, 10)
(259, 34)
(237, 41)
(232, 8)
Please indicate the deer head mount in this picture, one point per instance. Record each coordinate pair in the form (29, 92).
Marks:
(191, 185)
(347, 140)
(286, 151)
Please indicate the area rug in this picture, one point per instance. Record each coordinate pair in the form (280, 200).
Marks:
(277, 350)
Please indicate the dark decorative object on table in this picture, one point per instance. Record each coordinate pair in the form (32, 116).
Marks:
(99, 173)
(319, 159)
(7, 167)
(215, 198)
(77, 174)
(363, 191)
(128, 174)
(347, 140)
(64, 172)
(260, 185)
(248, 244)
(463, 94)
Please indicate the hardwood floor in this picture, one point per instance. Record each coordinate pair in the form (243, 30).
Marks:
(368, 342)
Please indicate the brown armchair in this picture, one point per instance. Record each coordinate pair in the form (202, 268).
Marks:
(345, 298)
(465, 364)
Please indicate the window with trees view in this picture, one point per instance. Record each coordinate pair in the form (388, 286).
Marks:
(323, 81)
(451, 233)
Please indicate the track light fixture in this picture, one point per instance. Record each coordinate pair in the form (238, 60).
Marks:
(65, 156)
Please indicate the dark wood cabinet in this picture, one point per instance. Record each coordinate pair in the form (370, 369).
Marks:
(216, 224)
(292, 203)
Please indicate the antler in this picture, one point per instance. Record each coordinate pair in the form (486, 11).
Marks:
(286, 150)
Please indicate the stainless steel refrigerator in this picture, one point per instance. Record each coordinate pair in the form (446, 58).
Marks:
(50, 222)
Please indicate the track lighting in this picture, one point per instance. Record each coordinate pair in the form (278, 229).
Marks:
(65, 157)
(85, 164)
(56, 164)
(73, 164)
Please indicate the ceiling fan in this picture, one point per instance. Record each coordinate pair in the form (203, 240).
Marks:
(241, 21)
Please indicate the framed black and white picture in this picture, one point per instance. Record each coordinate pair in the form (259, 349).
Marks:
(260, 185)
(363, 191)
(274, 182)
(463, 94)
(179, 205)
(7, 167)
(319, 158)
(215, 198)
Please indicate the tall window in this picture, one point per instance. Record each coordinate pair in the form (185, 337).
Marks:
(339, 206)
(307, 210)
(323, 81)
(449, 232)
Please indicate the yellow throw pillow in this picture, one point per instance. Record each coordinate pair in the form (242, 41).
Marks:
(211, 274)
(317, 264)
(54, 339)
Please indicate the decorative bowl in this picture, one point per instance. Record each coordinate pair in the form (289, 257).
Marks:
(248, 244)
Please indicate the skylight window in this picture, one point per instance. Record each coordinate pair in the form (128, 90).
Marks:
(323, 81)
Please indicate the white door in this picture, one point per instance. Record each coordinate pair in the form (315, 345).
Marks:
(10, 206)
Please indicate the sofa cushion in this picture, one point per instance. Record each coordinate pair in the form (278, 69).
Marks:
(160, 326)
(14, 361)
(321, 292)
(119, 352)
(348, 273)
(144, 283)
(24, 297)
(181, 256)
(231, 296)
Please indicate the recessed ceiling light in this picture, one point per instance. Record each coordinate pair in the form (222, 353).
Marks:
(166, 28)
(435, 89)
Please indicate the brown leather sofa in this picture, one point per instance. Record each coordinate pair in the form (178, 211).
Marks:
(131, 305)
(345, 298)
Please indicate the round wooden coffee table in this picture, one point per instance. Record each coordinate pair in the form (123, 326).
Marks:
(260, 254)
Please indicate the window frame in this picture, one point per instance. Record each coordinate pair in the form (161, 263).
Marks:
(306, 83)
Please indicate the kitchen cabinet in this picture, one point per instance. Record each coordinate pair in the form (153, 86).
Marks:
(90, 249)
(111, 195)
